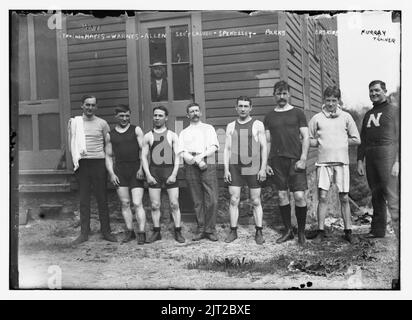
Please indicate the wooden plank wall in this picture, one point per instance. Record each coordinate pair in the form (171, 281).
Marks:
(238, 65)
(294, 53)
(98, 66)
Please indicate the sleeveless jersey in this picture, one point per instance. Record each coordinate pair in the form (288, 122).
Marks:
(161, 151)
(125, 145)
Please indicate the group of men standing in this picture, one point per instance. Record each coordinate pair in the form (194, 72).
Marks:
(275, 150)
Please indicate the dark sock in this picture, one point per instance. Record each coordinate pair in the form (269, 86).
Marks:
(177, 229)
(233, 228)
(301, 217)
(286, 216)
(348, 231)
(258, 228)
(156, 229)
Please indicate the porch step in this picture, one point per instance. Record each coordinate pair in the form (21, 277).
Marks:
(45, 187)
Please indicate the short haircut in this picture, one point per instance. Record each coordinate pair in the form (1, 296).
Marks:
(192, 104)
(243, 98)
(121, 108)
(380, 82)
(163, 108)
(281, 85)
(332, 91)
(85, 97)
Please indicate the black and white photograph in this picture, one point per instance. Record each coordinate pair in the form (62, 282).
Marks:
(202, 150)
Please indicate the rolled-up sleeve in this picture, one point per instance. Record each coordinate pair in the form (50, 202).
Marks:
(212, 139)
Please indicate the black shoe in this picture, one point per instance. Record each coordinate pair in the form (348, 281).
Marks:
(311, 234)
(199, 237)
(178, 235)
(370, 235)
(319, 237)
(109, 237)
(259, 237)
(348, 236)
(288, 235)
(232, 236)
(129, 236)
(211, 236)
(141, 238)
(155, 236)
(80, 239)
(301, 238)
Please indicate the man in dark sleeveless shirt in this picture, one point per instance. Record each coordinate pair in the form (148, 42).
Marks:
(245, 160)
(124, 144)
(285, 125)
(159, 147)
(379, 147)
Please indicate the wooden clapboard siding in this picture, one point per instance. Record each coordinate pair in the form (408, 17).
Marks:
(294, 59)
(96, 66)
(238, 65)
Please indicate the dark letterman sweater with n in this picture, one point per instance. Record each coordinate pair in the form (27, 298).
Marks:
(380, 127)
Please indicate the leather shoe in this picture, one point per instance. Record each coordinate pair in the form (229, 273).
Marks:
(288, 235)
(141, 238)
(109, 237)
(372, 236)
(211, 236)
(259, 237)
(232, 236)
(80, 239)
(199, 237)
(155, 236)
(129, 236)
(301, 238)
(178, 236)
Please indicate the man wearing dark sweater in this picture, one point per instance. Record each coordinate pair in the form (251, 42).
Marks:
(379, 148)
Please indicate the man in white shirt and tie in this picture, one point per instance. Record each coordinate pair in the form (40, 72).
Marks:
(198, 144)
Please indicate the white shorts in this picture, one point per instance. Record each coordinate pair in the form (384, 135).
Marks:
(338, 174)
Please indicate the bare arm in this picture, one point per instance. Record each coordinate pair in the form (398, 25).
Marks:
(313, 134)
(139, 137)
(305, 143)
(269, 169)
(109, 154)
(175, 141)
(228, 149)
(109, 160)
(145, 154)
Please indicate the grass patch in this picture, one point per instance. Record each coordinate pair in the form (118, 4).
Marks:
(239, 267)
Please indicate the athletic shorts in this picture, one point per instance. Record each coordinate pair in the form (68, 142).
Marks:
(161, 174)
(286, 177)
(126, 172)
(338, 174)
(240, 180)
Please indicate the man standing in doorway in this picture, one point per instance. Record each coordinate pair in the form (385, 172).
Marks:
(285, 125)
(86, 140)
(198, 144)
(160, 148)
(159, 82)
(245, 160)
(332, 131)
(124, 144)
(380, 149)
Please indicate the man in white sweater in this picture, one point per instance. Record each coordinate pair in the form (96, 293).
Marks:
(332, 131)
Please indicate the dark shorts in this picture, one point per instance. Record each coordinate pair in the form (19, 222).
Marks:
(240, 180)
(126, 172)
(161, 174)
(286, 177)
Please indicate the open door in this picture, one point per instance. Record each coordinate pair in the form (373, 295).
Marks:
(167, 70)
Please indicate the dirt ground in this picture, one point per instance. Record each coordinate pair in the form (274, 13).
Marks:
(45, 246)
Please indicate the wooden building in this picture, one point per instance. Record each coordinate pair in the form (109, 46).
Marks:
(211, 57)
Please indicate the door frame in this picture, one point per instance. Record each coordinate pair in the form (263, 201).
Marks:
(133, 26)
(63, 99)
